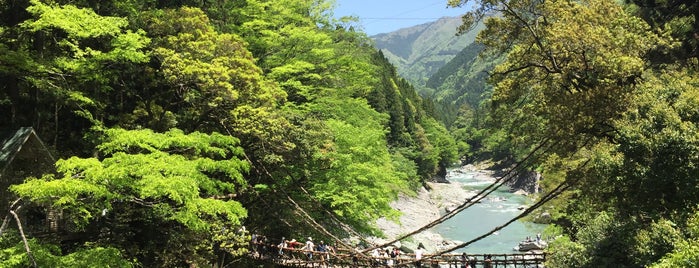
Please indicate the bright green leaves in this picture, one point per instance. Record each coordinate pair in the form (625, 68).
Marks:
(686, 251)
(180, 176)
(13, 254)
(78, 23)
(362, 180)
(217, 78)
(444, 145)
(659, 238)
(660, 138)
(71, 55)
(211, 69)
(128, 47)
(571, 66)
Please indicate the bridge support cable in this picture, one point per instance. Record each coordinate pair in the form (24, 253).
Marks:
(548, 197)
(333, 217)
(310, 220)
(316, 225)
(562, 187)
(301, 212)
(479, 196)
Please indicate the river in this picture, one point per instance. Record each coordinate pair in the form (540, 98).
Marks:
(494, 210)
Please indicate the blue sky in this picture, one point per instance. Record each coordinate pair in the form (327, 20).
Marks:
(382, 16)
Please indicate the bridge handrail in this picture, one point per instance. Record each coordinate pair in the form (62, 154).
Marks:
(348, 257)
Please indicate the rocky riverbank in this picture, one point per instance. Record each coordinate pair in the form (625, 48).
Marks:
(434, 200)
(429, 204)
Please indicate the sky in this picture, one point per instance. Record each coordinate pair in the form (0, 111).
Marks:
(383, 16)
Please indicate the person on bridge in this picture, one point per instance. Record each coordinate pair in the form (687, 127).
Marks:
(394, 255)
(330, 249)
(488, 261)
(309, 248)
(418, 255)
(375, 255)
(322, 248)
(281, 246)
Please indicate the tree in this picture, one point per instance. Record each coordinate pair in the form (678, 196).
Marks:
(361, 180)
(60, 63)
(148, 189)
(577, 79)
(571, 69)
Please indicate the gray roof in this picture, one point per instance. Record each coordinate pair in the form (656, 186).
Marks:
(12, 143)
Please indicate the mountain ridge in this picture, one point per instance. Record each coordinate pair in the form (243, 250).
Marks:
(419, 51)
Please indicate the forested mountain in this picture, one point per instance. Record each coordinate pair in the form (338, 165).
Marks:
(419, 51)
(178, 123)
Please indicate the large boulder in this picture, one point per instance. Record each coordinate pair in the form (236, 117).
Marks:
(526, 181)
(543, 218)
(441, 176)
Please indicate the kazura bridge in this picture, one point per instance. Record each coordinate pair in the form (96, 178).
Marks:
(347, 256)
(293, 257)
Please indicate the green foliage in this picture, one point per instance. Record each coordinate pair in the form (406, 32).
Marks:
(686, 255)
(658, 240)
(13, 254)
(66, 57)
(676, 18)
(362, 180)
(444, 144)
(685, 252)
(413, 133)
(566, 253)
(622, 135)
(173, 179)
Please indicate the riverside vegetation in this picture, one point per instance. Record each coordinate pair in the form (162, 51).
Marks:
(178, 123)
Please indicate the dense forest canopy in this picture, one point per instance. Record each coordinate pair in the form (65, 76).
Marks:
(184, 126)
(605, 95)
(179, 124)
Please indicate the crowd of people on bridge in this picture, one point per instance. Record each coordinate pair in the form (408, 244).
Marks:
(362, 255)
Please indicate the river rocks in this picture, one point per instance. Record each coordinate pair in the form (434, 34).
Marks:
(441, 176)
(420, 210)
(521, 192)
(526, 181)
(543, 218)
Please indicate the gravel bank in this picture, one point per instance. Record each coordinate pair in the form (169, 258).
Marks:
(420, 210)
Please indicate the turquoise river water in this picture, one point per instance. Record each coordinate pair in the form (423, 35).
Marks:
(494, 210)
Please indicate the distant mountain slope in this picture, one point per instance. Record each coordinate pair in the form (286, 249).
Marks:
(419, 51)
(463, 79)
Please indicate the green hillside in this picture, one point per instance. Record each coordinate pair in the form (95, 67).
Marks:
(419, 51)
(462, 81)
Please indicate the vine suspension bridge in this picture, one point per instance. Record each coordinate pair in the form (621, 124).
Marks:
(283, 255)
(295, 257)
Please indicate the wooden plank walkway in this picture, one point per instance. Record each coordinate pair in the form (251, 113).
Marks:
(293, 257)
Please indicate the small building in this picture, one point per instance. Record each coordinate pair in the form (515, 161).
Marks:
(22, 155)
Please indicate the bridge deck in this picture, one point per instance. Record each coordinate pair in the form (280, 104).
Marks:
(299, 258)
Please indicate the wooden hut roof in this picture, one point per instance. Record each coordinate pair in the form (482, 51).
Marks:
(23, 140)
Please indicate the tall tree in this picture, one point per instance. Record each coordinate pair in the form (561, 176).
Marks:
(117, 200)
(577, 75)
(66, 58)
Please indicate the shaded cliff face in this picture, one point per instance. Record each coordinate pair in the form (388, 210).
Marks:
(419, 51)
(527, 182)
